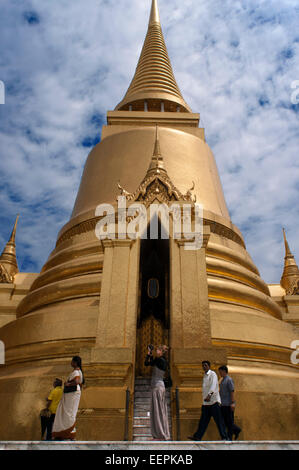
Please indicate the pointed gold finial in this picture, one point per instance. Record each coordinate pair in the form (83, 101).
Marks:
(287, 248)
(154, 16)
(14, 230)
(153, 86)
(290, 276)
(157, 150)
(8, 259)
(157, 163)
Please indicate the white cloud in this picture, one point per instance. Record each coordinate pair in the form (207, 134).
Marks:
(234, 62)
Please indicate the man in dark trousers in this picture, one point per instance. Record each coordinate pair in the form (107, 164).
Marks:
(211, 405)
(52, 404)
(228, 404)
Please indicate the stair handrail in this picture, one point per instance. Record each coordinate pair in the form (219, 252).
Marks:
(126, 437)
(178, 423)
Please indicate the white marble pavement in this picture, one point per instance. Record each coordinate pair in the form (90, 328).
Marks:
(163, 446)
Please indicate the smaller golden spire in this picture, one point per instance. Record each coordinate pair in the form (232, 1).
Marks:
(8, 259)
(290, 276)
(157, 163)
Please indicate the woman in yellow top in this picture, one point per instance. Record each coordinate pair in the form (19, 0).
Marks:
(65, 418)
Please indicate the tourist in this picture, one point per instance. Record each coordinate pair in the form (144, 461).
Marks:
(44, 418)
(228, 403)
(65, 419)
(159, 414)
(211, 404)
(52, 404)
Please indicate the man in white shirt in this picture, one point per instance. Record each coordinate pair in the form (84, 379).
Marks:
(211, 404)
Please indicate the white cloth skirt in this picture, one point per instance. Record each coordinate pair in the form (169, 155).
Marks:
(65, 418)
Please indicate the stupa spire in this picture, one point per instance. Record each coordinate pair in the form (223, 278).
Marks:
(154, 16)
(8, 258)
(153, 87)
(290, 276)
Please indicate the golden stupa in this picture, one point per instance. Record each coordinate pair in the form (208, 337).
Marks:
(106, 300)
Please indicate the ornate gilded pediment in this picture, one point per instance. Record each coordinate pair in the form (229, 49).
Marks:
(5, 277)
(157, 185)
(294, 288)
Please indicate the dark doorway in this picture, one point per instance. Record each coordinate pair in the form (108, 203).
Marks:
(153, 312)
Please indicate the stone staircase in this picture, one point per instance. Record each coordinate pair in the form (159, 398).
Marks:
(142, 404)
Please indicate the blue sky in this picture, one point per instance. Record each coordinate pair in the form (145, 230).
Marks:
(64, 64)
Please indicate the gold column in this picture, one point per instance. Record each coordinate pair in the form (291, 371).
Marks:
(191, 341)
(111, 363)
(194, 320)
(118, 302)
(190, 313)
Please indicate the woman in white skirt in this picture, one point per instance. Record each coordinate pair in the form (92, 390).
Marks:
(65, 418)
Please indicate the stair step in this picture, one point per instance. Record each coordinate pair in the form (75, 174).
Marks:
(147, 395)
(143, 438)
(142, 432)
(139, 415)
(143, 394)
(147, 392)
(142, 421)
(142, 406)
(142, 401)
(142, 412)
